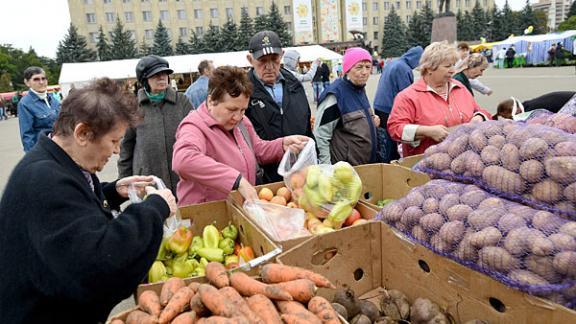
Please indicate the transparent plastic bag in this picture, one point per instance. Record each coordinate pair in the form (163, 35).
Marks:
(569, 107)
(292, 162)
(137, 195)
(279, 222)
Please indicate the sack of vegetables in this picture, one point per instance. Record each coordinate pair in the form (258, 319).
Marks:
(531, 164)
(531, 250)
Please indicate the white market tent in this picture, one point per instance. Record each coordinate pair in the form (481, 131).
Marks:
(79, 74)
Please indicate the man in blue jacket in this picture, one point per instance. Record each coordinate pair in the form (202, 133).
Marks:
(397, 76)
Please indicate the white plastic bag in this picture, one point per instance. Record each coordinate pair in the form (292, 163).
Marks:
(293, 162)
(279, 222)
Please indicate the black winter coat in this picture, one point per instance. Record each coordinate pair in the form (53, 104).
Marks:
(63, 257)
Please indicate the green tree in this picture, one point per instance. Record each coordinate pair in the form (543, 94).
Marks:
(5, 82)
(181, 47)
(509, 20)
(420, 27)
(122, 45)
(102, 47)
(478, 21)
(74, 48)
(528, 18)
(276, 24)
(572, 10)
(195, 44)
(261, 23)
(497, 32)
(14, 61)
(229, 36)
(541, 22)
(413, 31)
(144, 49)
(162, 45)
(245, 31)
(427, 18)
(212, 40)
(394, 37)
(568, 24)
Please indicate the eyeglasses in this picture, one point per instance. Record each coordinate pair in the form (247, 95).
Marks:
(38, 79)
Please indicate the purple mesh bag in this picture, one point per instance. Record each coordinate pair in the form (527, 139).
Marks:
(565, 122)
(531, 164)
(527, 249)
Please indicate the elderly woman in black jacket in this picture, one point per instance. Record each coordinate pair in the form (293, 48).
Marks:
(65, 258)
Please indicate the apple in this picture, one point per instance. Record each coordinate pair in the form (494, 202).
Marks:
(360, 221)
(354, 216)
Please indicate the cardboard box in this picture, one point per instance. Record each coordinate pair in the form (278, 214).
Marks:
(372, 256)
(220, 213)
(382, 181)
(408, 162)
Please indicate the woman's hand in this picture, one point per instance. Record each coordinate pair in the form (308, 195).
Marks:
(247, 190)
(437, 132)
(167, 195)
(140, 182)
(477, 118)
(376, 120)
(294, 143)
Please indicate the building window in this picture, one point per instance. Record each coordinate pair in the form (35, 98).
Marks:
(467, 3)
(213, 12)
(161, 0)
(375, 6)
(397, 4)
(364, 7)
(458, 3)
(149, 33)
(144, 0)
(229, 13)
(107, 1)
(386, 5)
(91, 18)
(375, 35)
(200, 31)
(110, 17)
(374, 20)
(128, 16)
(132, 34)
(88, 2)
(485, 3)
(287, 10)
(408, 17)
(386, 20)
(93, 37)
(289, 25)
(181, 14)
(197, 13)
(126, 1)
(418, 4)
(408, 4)
(164, 15)
(364, 21)
(147, 15)
(244, 10)
(259, 11)
(183, 31)
(429, 3)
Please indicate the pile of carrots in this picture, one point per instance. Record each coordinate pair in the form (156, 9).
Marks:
(285, 294)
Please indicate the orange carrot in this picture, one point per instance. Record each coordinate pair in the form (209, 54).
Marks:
(140, 317)
(216, 274)
(290, 307)
(194, 286)
(185, 318)
(301, 290)
(177, 304)
(240, 304)
(223, 320)
(150, 302)
(300, 318)
(324, 310)
(274, 273)
(248, 287)
(197, 307)
(170, 287)
(265, 309)
(217, 303)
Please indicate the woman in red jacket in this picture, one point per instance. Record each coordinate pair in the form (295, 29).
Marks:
(423, 113)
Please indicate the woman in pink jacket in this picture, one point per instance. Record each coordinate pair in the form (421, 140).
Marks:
(423, 112)
(217, 149)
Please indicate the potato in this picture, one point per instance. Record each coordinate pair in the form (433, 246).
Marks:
(452, 232)
(440, 161)
(547, 222)
(435, 190)
(543, 267)
(477, 140)
(474, 164)
(532, 171)
(490, 155)
(526, 212)
(430, 205)
(419, 233)
(401, 227)
(510, 221)
(423, 311)
(491, 202)
(448, 201)
(458, 146)
(431, 222)
(497, 141)
(524, 277)
(565, 148)
(570, 192)
(392, 212)
(547, 191)
(515, 241)
(563, 242)
(491, 128)
(439, 244)
(458, 165)
(503, 180)
(497, 259)
(533, 148)
(411, 216)
(431, 150)
(413, 198)
(564, 207)
(552, 136)
(518, 135)
(509, 127)
(541, 246)
(561, 169)
(488, 236)
(564, 263)
(568, 228)
(510, 157)
(465, 250)
(473, 198)
(482, 218)
(458, 212)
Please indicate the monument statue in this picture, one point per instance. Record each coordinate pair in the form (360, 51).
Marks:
(446, 11)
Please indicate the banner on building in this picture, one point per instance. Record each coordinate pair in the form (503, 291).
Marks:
(303, 28)
(329, 20)
(354, 15)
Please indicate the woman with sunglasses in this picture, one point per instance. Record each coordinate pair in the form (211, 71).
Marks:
(37, 110)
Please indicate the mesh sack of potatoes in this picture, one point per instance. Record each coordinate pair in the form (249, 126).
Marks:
(531, 164)
(525, 248)
(565, 122)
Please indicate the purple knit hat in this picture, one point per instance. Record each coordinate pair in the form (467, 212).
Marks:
(354, 55)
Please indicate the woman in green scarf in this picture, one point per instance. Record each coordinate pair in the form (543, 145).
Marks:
(472, 66)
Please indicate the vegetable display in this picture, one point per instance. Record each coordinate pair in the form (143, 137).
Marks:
(531, 164)
(532, 250)
(237, 298)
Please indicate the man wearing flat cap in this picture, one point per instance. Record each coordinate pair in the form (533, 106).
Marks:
(278, 106)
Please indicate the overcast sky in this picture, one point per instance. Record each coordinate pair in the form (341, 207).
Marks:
(42, 24)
